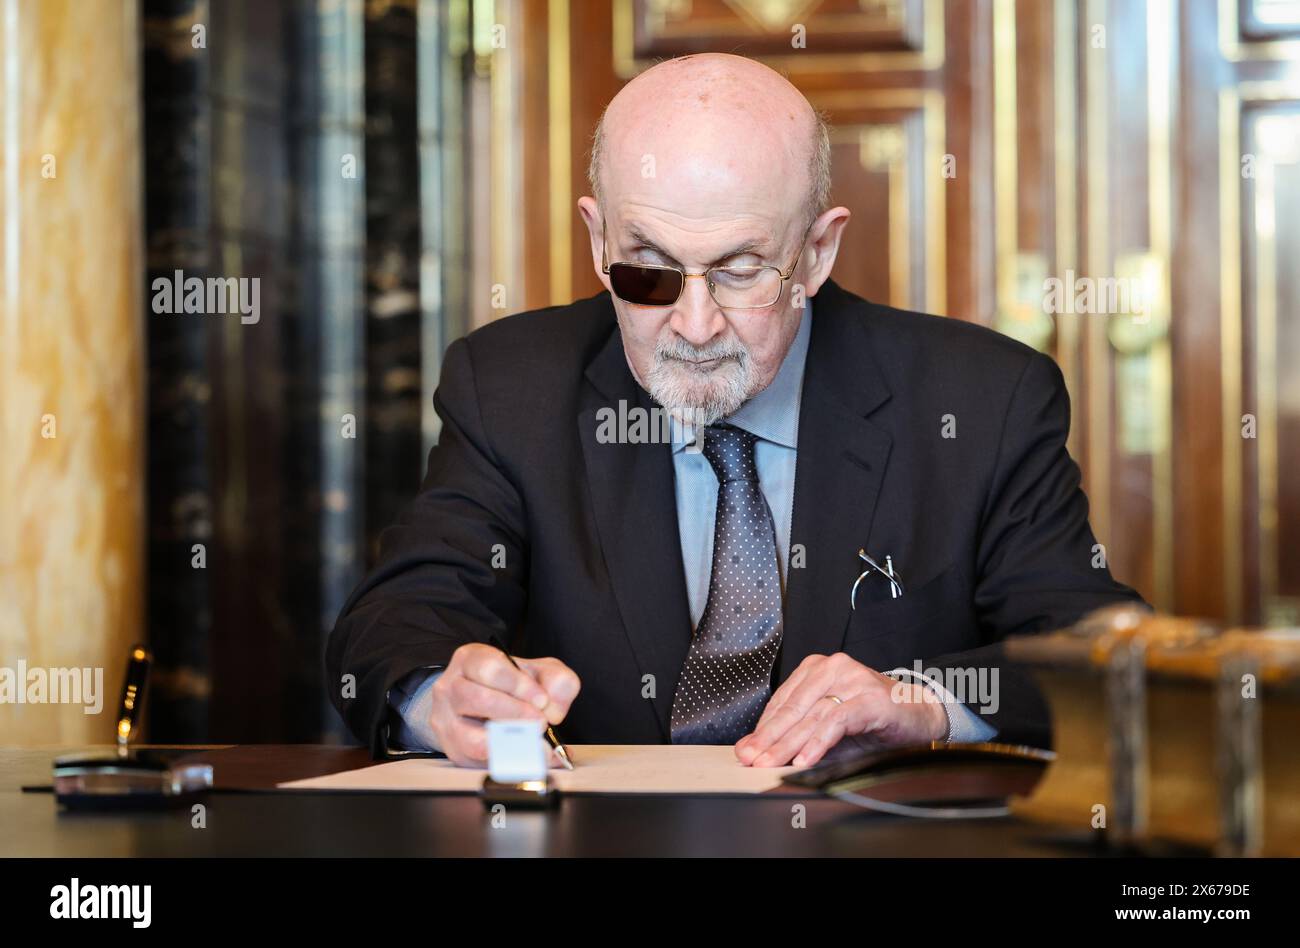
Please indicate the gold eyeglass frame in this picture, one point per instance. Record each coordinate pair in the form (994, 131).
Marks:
(605, 265)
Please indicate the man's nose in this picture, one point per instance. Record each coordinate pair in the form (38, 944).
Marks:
(697, 318)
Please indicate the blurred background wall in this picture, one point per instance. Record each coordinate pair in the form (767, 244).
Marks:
(396, 172)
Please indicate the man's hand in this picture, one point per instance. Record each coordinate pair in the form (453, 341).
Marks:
(479, 684)
(802, 721)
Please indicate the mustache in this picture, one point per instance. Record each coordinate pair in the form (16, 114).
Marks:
(678, 349)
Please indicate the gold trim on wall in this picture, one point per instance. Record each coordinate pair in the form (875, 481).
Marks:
(1019, 276)
(1233, 355)
(506, 144)
(490, 67)
(1065, 98)
(1005, 131)
(882, 149)
(1266, 408)
(1161, 31)
(1230, 347)
(936, 198)
(1266, 344)
(765, 15)
(1235, 50)
(560, 151)
(1097, 121)
(929, 57)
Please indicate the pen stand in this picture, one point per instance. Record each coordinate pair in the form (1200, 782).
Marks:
(533, 794)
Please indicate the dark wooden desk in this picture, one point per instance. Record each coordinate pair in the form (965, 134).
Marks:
(246, 817)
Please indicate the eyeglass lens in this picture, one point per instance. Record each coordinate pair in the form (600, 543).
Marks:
(645, 286)
(741, 287)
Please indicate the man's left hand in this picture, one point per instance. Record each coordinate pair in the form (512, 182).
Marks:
(804, 719)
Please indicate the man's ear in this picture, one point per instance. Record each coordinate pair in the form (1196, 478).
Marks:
(824, 242)
(590, 212)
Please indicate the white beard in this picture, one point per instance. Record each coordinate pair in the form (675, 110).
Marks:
(700, 397)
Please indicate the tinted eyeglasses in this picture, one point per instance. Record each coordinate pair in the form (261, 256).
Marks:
(644, 284)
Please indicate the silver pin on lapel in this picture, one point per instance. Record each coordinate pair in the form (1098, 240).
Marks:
(887, 571)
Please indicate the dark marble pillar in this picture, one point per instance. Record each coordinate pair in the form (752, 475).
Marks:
(305, 145)
(179, 510)
(325, 354)
(393, 187)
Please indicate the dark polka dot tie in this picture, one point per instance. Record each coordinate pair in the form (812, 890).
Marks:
(727, 676)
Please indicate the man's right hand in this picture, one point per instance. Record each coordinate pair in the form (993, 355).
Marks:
(480, 684)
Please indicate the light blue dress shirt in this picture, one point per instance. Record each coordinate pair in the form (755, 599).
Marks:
(773, 416)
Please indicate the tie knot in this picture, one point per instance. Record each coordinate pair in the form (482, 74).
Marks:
(731, 452)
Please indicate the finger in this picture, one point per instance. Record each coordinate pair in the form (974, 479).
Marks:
(466, 743)
(829, 733)
(472, 700)
(491, 668)
(782, 751)
(749, 747)
(799, 701)
(753, 746)
(560, 682)
(788, 686)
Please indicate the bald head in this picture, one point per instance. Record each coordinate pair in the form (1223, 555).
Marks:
(717, 128)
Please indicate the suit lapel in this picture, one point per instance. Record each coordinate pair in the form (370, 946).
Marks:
(635, 506)
(840, 468)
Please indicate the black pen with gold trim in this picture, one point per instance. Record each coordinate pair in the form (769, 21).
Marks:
(560, 750)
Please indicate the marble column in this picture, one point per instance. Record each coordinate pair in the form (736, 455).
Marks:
(392, 343)
(71, 351)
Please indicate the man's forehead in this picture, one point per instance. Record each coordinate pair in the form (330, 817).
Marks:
(678, 165)
(753, 231)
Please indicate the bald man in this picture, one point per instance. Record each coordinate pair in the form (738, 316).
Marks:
(724, 501)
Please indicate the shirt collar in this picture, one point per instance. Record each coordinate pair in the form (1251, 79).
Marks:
(772, 414)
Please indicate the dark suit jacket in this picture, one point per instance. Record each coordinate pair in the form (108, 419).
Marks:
(988, 529)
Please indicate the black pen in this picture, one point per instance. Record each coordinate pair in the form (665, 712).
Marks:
(560, 750)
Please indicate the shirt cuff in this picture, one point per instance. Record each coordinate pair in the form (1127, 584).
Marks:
(964, 725)
(411, 698)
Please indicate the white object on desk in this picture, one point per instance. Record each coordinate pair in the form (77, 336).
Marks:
(516, 751)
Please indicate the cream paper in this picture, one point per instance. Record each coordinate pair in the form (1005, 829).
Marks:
(600, 768)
